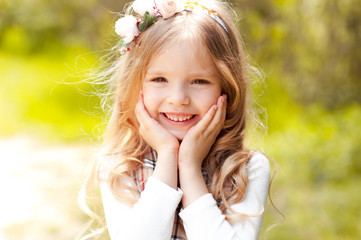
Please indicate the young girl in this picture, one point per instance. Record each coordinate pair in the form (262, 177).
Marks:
(175, 164)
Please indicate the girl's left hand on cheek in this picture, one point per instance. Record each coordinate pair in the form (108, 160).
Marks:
(200, 138)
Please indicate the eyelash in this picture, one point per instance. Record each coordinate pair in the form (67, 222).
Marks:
(200, 81)
(197, 81)
(159, 79)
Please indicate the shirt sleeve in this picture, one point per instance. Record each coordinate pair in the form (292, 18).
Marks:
(152, 217)
(204, 220)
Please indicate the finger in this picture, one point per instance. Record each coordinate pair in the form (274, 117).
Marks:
(221, 114)
(218, 121)
(206, 120)
(144, 119)
(139, 109)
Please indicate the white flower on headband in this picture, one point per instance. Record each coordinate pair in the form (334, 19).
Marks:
(142, 6)
(169, 7)
(127, 28)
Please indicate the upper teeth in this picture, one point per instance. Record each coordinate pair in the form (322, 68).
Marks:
(179, 118)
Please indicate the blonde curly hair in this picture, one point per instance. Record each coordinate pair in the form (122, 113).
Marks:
(226, 162)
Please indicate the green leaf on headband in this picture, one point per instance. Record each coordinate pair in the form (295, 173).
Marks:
(147, 21)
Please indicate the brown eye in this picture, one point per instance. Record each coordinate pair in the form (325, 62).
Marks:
(200, 81)
(159, 79)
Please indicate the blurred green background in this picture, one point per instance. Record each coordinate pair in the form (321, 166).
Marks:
(310, 53)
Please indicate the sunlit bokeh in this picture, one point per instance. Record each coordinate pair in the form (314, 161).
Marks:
(50, 123)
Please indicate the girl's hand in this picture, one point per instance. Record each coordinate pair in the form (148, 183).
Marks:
(162, 141)
(200, 138)
(152, 132)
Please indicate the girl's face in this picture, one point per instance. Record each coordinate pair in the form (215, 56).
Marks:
(180, 86)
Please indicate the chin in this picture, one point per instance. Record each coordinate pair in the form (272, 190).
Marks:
(179, 135)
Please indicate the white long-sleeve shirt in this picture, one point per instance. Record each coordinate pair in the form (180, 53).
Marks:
(152, 217)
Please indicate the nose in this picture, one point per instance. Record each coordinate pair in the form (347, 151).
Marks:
(178, 95)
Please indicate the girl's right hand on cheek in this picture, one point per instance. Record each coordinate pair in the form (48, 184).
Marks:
(152, 132)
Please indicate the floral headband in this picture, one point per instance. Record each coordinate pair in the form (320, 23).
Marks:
(129, 27)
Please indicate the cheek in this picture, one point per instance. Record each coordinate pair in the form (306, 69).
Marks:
(151, 102)
(207, 102)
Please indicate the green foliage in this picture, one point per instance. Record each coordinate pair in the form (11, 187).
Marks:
(39, 96)
(326, 143)
(317, 184)
(313, 44)
(308, 49)
(67, 22)
(147, 21)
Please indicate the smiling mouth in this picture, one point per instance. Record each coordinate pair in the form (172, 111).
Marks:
(179, 117)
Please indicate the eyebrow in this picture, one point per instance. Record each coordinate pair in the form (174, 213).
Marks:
(155, 72)
(193, 74)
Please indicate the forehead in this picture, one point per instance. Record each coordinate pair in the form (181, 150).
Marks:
(191, 53)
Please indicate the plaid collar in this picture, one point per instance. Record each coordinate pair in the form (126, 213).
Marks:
(141, 176)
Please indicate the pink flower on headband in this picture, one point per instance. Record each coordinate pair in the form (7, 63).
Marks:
(127, 28)
(169, 7)
(147, 11)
